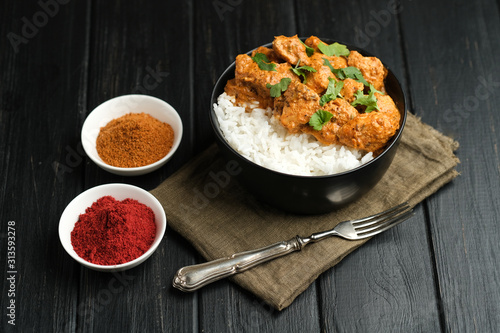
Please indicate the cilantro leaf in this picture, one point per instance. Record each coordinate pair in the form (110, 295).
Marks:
(339, 73)
(300, 71)
(278, 88)
(375, 90)
(332, 91)
(348, 72)
(327, 63)
(263, 62)
(334, 49)
(320, 118)
(309, 50)
(354, 73)
(370, 101)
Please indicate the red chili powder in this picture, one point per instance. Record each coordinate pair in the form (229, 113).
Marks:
(112, 232)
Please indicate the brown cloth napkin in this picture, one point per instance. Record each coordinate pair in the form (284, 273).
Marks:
(220, 218)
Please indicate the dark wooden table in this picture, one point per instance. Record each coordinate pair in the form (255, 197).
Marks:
(59, 59)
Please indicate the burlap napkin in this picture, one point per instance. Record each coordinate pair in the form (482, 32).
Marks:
(220, 218)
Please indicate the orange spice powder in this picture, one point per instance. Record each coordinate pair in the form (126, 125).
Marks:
(134, 140)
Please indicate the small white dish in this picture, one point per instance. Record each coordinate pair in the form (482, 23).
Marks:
(120, 106)
(79, 204)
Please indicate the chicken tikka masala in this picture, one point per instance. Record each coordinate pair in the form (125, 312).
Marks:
(335, 94)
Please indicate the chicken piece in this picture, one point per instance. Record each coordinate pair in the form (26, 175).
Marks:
(368, 131)
(327, 135)
(270, 54)
(372, 69)
(342, 112)
(387, 106)
(336, 62)
(318, 81)
(279, 104)
(350, 88)
(313, 42)
(245, 94)
(371, 131)
(250, 81)
(291, 50)
(298, 104)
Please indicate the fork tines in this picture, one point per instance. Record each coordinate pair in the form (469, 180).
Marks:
(377, 223)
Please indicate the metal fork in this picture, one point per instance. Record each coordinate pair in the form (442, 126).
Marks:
(193, 277)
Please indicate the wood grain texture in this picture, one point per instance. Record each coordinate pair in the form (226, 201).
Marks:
(135, 50)
(223, 30)
(380, 283)
(225, 34)
(448, 68)
(436, 272)
(41, 161)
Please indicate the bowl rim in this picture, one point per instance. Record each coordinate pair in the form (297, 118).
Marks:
(394, 140)
(122, 170)
(160, 221)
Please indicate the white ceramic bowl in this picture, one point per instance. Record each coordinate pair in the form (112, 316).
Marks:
(120, 192)
(120, 106)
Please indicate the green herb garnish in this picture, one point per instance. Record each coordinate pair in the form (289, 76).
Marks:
(332, 91)
(320, 118)
(309, 50)
(278, 88)
(300, 71)
(263, 62)
(354, 73)
(327, 63)
(348, 72)
(334, 49)
(370, 101)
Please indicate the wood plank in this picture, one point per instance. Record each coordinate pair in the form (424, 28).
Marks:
(388, 282)
(41, 160)
(224, 30)
(142, 49)
(227, 307)
(221, 34)
(450, 54)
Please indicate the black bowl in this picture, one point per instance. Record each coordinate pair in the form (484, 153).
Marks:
(311, 194)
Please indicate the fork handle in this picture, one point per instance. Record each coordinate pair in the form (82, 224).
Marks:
(193, 277)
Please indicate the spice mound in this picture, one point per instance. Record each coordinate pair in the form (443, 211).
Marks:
(134, 140)
(113, 232)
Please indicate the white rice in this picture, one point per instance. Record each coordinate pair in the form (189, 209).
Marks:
(259, 137)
